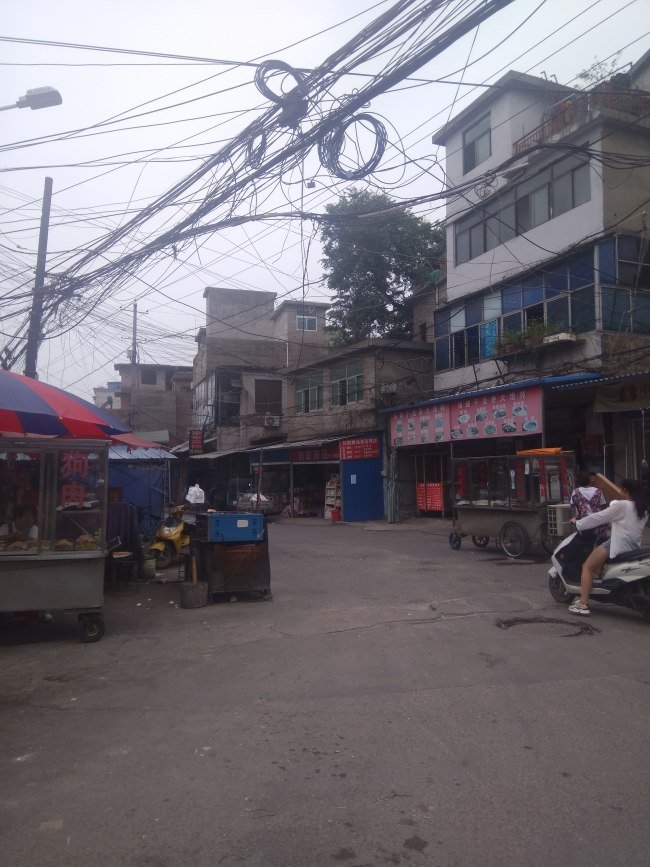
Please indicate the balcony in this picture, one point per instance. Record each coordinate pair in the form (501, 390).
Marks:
(610, 101)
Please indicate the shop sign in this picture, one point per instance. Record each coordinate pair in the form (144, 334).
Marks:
(359, 448)
(622, 396)
(196, 442)
(487, 416)
(313, 456)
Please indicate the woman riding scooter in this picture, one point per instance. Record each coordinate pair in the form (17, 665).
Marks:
(628, 517)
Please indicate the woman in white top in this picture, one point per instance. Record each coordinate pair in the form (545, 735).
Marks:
(627, 517)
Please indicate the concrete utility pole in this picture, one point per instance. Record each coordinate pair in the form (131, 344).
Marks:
(134, 365)
(34, 331)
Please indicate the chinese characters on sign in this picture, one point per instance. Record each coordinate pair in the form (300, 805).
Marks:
(326, 453)
(73, 464)
(359, 448)
(509, 413)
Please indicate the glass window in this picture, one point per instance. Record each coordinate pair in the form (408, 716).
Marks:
(581, 269)
(508, 224)
(473, 354)
(641, 313)
(442, 354)
(533, 291)
(535, 314)
(474, 311)
(628, 248)
(562, 195)
(491, 306)
(488, 336)
(555, 281)
(441, 323)
(523, 215)
(476, 241)
(462, 247)
(492, 230)
(477, 144)
(456, 318)
(607, 262)
(512, 322)
(511, 298)
(583, 310)
(615, 308)
(581, 187)
(458, 349)
(148, 376)
(539, 206)
(305, 323)
(557, 312)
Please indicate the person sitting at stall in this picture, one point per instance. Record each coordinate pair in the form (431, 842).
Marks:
(628, 517)
(22, 528)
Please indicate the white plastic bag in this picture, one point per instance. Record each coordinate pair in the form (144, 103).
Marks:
(195, 494)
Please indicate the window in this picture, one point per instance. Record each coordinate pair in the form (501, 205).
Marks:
(148, 376)
(477, 144)
(309, 393)
(347, 383)
(268, 396)
(423, 331)
(552, 191)
(306, 323)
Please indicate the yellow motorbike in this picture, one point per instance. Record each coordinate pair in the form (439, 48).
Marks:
(170, 538)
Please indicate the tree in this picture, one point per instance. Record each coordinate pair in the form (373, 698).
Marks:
(373, 262)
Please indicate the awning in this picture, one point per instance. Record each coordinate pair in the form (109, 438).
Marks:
(574, 380)
(213, 455)
(127, 453)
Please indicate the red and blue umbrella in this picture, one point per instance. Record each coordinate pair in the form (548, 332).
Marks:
(28, 406)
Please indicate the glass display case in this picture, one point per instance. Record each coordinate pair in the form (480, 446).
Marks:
(52, 497)
(53, 527)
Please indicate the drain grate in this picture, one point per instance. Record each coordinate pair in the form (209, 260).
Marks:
(548, 626)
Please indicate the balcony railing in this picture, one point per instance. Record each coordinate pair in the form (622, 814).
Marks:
(575, 110)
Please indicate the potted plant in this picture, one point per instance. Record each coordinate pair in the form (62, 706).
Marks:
(535, 332)
(509, 342)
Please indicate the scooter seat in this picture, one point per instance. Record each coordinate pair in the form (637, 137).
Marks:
(635, 554)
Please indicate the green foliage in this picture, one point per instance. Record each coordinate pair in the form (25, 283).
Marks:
(598, 71)
(372, 264)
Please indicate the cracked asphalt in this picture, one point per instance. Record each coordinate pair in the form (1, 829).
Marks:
(372, 714)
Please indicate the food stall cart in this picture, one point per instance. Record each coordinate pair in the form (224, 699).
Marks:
(519, 500)
(59, 564)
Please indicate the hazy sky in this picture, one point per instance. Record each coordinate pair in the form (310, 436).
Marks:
(131, 127)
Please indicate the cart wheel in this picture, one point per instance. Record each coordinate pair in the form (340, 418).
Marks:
(454, 540)
(91, 628)
(164, 557)
(481, 541)
(557, 589)
(514, 540)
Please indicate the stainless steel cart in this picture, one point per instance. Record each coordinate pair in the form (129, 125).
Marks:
(511, 499)
(61, 567)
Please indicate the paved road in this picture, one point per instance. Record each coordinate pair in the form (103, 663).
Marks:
(373, 714)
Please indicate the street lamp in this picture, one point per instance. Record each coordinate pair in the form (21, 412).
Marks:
(37, 97)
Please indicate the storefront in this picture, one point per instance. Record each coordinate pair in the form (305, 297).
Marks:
(318, 477)
(497, 421)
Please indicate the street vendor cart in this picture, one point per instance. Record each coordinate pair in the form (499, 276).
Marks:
(58, 564)
(520, 500)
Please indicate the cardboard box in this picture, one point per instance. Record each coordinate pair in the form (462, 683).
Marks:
(609, 489)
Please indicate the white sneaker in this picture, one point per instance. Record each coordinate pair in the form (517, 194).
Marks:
(577, 607)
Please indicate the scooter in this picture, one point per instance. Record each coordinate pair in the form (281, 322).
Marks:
(625, 580)
(171, 536)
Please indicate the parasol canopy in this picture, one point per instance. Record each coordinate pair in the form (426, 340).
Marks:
(28, 406)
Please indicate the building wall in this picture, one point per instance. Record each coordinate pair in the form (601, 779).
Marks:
(625, 204)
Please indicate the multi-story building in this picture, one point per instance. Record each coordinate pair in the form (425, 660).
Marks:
(157, 402)
(548, 270)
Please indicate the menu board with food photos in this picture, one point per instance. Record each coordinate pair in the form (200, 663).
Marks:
(517, 412)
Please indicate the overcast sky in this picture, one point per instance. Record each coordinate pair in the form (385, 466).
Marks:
(167, 116)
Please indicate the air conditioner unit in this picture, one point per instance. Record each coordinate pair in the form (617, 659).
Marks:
(388, 388)
(272, 421)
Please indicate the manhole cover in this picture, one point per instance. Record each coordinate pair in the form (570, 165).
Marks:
(548, 626)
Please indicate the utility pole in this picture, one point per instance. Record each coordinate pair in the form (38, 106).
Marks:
(34, 331)
(134, 365)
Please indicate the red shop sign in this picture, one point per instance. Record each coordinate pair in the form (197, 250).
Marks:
(359, 448)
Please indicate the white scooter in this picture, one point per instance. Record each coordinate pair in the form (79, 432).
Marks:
(625, 580)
